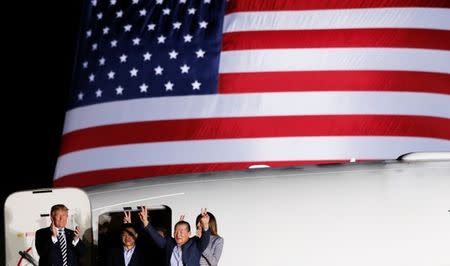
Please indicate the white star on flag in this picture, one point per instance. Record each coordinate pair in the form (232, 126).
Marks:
(196, 85)
(119, 90)
(203, 24)
(161, 39)
(127, 28)
(111, 74)
(136, 41)
(176, 25)
(187, 38)
(147, 56)
(123, 58)
(200, 53)
(143, 87)
(191, 11)
(133, 72)
(158, 70)
(173, 54)
(169, 86)
(184, 68)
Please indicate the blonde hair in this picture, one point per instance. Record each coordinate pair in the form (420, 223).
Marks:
(58, 207)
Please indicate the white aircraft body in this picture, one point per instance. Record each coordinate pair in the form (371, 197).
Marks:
(379, 213)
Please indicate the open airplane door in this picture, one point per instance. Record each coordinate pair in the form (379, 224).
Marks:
(28, 211)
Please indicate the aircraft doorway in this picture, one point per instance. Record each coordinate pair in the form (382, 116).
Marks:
(109, 232)
(28, 211)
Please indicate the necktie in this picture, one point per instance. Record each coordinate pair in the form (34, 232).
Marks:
(63, 245)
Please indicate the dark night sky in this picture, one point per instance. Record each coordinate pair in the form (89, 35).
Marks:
(40, 57)
(39, 42)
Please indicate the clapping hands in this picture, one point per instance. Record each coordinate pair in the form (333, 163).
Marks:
(76, 233)
(54, 229)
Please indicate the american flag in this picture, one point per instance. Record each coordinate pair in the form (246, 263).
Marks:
(177, 86)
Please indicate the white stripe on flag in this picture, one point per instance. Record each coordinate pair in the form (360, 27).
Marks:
(416, 18)
(242, 150)
(258, 105)
(279, 60)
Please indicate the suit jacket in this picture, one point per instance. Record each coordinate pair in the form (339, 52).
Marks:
(212, 253)
(115, 257)
(192, 250)
(50, 253)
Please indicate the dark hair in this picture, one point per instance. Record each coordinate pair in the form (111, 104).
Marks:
(58, 207)
(212, 223)
(126, 228)
(184, 222)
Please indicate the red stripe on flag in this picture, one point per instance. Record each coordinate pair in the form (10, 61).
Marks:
(396, 38)
(335, 81)
(256, 127)
(121, 174)
(281, 5)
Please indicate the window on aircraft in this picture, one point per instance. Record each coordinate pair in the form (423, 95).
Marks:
(109, 235)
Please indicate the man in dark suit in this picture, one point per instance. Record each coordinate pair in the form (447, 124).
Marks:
(181, 250)
(129, 254)
(57, 245)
